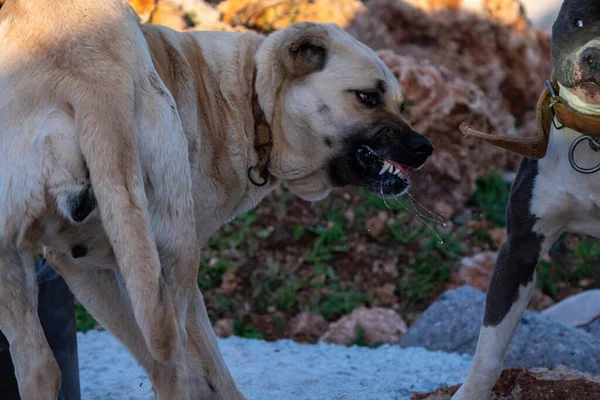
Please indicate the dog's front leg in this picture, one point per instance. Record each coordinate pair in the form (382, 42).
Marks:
(36, 369)
(511, 286)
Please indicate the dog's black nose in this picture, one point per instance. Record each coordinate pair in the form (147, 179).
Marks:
(590, 58)
(420, 146)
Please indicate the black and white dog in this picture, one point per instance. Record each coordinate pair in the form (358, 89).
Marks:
(555, 189)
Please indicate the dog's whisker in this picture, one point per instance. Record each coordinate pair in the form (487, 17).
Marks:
(440, 240)
(437, 220)
(418, 214)
(416, 202)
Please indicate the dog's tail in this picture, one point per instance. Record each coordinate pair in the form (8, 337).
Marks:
(530, 147)
(105, 119)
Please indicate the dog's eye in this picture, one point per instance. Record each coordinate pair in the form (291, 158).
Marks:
(370, 100)
(578, 23)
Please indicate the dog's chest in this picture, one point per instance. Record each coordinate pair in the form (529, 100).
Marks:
(564, 197)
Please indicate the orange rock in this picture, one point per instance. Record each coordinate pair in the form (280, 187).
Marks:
(144, 8)
(271, 15)
(379, 325)
(169, 14)
(508, 12)
(219, 26)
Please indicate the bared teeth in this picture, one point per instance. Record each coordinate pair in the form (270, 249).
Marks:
(386, 167)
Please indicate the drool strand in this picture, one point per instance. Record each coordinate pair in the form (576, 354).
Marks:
(440, 240)
(438, 218)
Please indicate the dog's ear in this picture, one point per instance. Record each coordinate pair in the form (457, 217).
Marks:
(304, 48)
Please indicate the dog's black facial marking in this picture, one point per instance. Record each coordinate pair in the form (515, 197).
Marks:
(577, 23)
(328, 142)
(365, 150)
(82, 204)
(78, 251)
(519, 255)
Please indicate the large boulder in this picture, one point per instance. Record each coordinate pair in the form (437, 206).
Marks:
(451, 324)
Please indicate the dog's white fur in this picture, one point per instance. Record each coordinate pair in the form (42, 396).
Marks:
(162, 121)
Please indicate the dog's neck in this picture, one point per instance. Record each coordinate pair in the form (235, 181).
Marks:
(577, 103)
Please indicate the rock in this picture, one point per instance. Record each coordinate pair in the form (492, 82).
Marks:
(577, 310)
(379, 325)
(445, 210)
(170, 14)
(199, 12)
(218, 26)
(536, 384)
(475, 271)
(143, 8)
(385, 295)
(498, 235)
(540, 301)
(268, 15)
(452, 322)
(375, 227)
(223, 328)
(510, 13)
(228, 282)
(593, 329)
(307, 327)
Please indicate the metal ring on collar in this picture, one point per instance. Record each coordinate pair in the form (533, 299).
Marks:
(594, 145)
(253, 181)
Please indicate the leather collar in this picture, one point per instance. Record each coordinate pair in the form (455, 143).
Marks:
(263, 139)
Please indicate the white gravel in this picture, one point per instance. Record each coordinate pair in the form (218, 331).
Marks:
(282, 370)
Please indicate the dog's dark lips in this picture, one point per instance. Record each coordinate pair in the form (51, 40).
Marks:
(390, 172)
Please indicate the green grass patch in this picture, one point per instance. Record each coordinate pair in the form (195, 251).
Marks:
(491, 198)
(83, 320)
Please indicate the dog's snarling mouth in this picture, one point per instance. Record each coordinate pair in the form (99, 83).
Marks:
(379, 173)
(392, 175)
(380, 159)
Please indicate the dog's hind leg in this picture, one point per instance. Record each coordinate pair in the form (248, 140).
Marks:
(92, 287)
(206, 365)
(36, 369)
(111, 152)
(510, 288)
